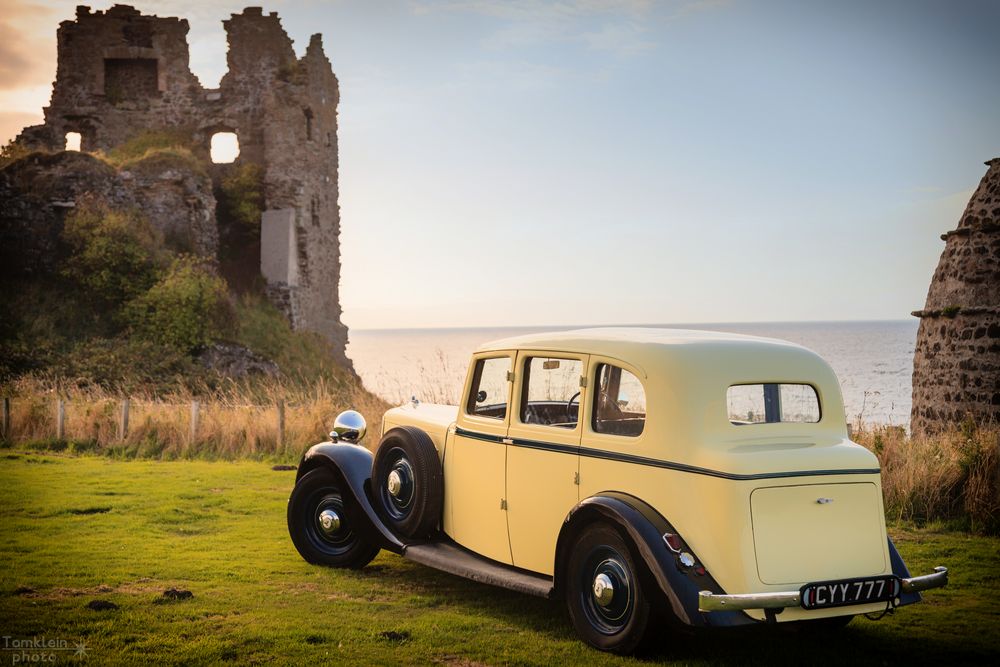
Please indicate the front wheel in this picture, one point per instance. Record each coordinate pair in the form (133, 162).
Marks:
(320, 526)
(606, 602)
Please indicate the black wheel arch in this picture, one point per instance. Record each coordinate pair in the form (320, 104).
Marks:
(644, 527)
(351, 465)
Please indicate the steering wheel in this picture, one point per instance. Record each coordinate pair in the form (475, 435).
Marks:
(569, 408)
(607, 402)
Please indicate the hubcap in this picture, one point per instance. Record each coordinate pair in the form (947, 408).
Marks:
(329, 522)
(329, 529)
(399, 487)
(395, 484)
(604, 590)
(607, 590)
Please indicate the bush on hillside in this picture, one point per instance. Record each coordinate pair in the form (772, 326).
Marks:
(12, 152)
(128, 365)
(241, 196)
(115, 255)
(187, 309)
(146, 142)
(303, 356)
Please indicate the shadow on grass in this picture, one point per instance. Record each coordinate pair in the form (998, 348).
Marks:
(862, 642)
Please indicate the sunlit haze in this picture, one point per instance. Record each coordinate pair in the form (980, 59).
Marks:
(606, 161)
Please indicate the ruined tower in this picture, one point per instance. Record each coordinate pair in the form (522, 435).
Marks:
(956, 365)
(121, 73)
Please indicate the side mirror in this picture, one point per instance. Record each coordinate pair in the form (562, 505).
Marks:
(349, 426)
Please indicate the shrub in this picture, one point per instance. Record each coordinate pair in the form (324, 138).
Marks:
(148, 141)
(114, 255)
(241, 195)
(127, 365)
(12, 152)
(303, 356)
(187, 309)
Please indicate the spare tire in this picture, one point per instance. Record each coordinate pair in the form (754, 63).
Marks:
(408, 483)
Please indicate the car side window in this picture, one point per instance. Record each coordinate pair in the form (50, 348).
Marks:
(619, 402)
(488, 397)
(550, 393)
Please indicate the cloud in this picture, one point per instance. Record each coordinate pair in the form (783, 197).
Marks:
(22, 28)
(11, 123)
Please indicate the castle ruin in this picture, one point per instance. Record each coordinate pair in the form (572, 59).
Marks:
(956, 365)
(121, 73)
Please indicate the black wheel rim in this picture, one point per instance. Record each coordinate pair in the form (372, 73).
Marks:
(398, 477)
(608, 617)
(329, 540)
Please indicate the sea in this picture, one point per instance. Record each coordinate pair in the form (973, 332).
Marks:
(872, 359)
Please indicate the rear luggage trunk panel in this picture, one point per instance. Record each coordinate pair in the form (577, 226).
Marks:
(818, 532)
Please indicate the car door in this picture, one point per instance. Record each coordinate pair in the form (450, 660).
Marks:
(475, 460)
(543, 442)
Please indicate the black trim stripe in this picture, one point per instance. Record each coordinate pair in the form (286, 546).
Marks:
(655, 463)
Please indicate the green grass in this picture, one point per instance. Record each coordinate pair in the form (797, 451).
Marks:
(78, 529)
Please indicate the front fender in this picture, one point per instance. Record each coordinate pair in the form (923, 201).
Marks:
(351, 465)
(646, 527)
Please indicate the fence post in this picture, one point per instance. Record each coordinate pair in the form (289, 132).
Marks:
(195, 406)
(6, 417)
(281, 423)
(60, 419)
(123, 424)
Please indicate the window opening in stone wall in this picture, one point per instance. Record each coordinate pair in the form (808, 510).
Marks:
(309, 123)
(73, 140)
(130, 79)
(225, 147)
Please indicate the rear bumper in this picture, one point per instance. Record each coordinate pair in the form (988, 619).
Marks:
(708, 601)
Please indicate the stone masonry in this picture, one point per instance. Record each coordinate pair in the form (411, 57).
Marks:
(121, 73)
(956, 365)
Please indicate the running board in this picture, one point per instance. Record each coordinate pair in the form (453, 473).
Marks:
(453, 559)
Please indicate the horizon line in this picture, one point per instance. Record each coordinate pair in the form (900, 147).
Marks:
(659, 325)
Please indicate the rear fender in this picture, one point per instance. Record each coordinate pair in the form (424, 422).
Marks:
(900, 570)
(351, 465)
(645, 527)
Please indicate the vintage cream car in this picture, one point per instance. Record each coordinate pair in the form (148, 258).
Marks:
(705, 479)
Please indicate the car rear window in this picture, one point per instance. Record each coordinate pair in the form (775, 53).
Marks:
(769, 403)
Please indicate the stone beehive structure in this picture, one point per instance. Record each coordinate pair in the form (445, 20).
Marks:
(956, 365)
(121, 73)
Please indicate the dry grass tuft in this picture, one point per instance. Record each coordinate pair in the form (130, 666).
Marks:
(235, 422)
(950, 476)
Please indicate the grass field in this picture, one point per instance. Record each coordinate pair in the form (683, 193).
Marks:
(78, 529)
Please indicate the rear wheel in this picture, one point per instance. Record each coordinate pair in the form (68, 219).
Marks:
(320, 526)
(607, 605)
(407, 480)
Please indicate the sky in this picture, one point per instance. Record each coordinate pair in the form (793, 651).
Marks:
(623, 161)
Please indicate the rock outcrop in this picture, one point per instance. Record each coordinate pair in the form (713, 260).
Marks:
(956, 365)
(121, 73)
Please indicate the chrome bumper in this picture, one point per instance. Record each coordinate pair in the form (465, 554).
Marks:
(708, 601)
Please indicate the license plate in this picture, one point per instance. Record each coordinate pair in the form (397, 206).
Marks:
(843, 592)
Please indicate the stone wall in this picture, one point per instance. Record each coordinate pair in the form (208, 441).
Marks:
(121, 73)
(956, 365)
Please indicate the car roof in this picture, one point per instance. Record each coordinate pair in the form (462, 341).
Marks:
(629, 341)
